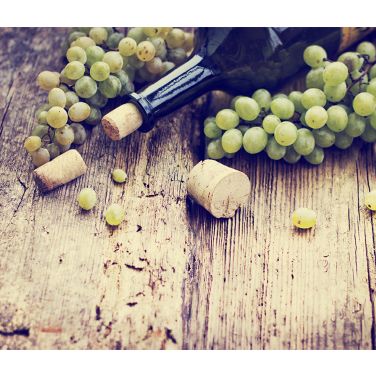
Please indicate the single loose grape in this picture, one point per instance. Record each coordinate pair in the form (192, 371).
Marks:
(270, 123)
(57, 117)
(337, 118)
(70, 99)
(211, 130)
(48, 80)
(314, 56)
(316, 117)
(305, 142)
(114, 61)
(32, 143)
(74, 70)
(296, 98)
(370, 200)
(316, 157)
(119, 175)
(215, 150)
(291, 156)
(343, 140)
(40, 157)
(114, 215)
(95, 116)
(274, 150)
(137, 34)
(314, 78)
(87, 198)
(94, 54)
(98, 34)
(263, 99)
(371, 88)
(76, 54)
(175, 38)
(110, 87)
(304, 218)
(113, 40)
(227, 119)
(247, 108)
(352, 60)
(335, 73)
(283, 108)
(356, 125)
(324, 137)
(369, 134)
(79, 112)
(79, 132)
(335, 93)
(364, 104)
(232, 140)
(286, 133)
(56, 97)
(313, 97)
(83, 42)
(53, 150)
(85, 87)
(64, 136)
(368, 49)
(255, 140)
(100, 71)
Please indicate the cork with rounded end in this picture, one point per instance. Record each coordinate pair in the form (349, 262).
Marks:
(221, 190)
(122, 121)
(59, 171)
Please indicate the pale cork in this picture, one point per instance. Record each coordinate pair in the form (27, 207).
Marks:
(221, 190)
(122, 121)
(59, 171)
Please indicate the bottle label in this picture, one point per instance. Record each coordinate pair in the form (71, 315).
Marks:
(352, 34)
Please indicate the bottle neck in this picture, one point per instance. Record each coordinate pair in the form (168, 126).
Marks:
(174, 90)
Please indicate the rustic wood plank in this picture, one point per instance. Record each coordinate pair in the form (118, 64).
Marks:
(171, 276)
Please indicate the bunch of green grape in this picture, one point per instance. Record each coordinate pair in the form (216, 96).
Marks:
(102, 64)
(338, 106)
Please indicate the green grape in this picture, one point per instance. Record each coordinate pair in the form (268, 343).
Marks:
(247, 108)
(364, 104)
(232, 140)
(302, 118)
(126, 84)
(279, 95)
(119, 175)
(335, 73)
(189, 41)
(114, 215)
(70, 99)
(324, 137)
(65, 79)
(76, 54)
(296, 98)
(227, 119)
(84, 30)
(211, 130)
(48, 80)
(167, 66)
(57, 117)
(32, 143)
(263, 99)
(97, 100)
(40, 130)
(85, 87)
(130, 71)
(314, 56)
(75, 35)
(100, 71)
(314, 78)
(372, 87)
(229, 155)
(352, 60)
(255, 140)
(83, 42)
(209, 119)
(367, 48)
(346, 108)
(283, 108)
(286, 133)
(110, 31)
(337, 118)
(64, 87)
(79, 112)
(87, 198)
(291, 155)
(40, 157)
(370, 200)
(214, 149)
(134, 62)
(358, 82)
(74, 70)
(177, 55)
(53, 150)
(114, 61)
(372, 72)
(145, 51)
(243, 128)
(343, 140)
(316, 117)
(64, 136)
(62, 148)
(372, 120)
(94, 54)
(305, 142)
(113, 40)
(154, 66)
(152, 31)
(98, 34)
(356, 125)
(304, 218)
(233, 100)
(369, 134)
(56, 97)
(316, 157)
(95, 116)
(110, 87)
(313, 97)
(79, 132)
(164, 31)
(160, 47)
(335, 93)
(175, 38)
(42, 117)
(274, 150)
(43, 107)
(137, 34)
(270, 123)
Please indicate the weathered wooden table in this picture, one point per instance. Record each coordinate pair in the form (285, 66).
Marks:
(172, 277)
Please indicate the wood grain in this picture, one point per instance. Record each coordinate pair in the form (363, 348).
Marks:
(171, 276)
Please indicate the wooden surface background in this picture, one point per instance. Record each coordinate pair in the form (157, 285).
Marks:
(171, 276)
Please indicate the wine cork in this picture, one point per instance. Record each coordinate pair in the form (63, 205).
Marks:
(59, 171)
(221, 190)
(122, 121)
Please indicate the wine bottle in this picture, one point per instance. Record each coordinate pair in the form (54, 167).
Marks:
(237, 60)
